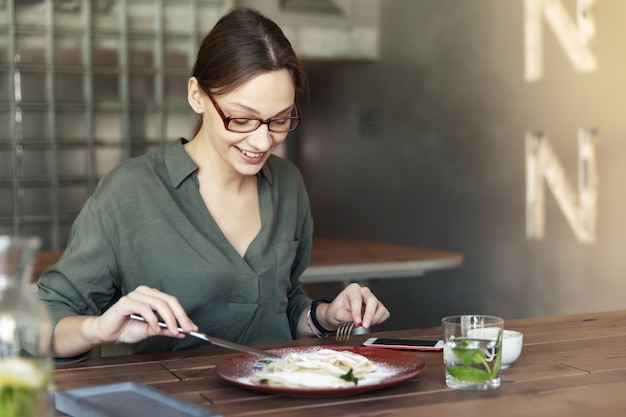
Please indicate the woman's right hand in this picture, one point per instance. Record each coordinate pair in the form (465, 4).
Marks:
(75, 335)
(115, 326)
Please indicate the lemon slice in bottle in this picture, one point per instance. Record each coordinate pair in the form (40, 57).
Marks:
(21, 373)
(21, 382)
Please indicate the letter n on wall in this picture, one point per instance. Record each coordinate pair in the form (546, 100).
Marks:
(575, 37)
(580, 209)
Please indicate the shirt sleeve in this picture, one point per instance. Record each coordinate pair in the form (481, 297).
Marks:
(83, 281)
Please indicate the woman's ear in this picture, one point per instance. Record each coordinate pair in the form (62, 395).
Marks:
(195, 95)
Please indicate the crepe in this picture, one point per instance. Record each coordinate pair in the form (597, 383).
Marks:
(323, 368)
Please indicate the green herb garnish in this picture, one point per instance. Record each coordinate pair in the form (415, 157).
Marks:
(469, 357)
(349, 376)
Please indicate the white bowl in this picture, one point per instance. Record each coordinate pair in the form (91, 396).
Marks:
(511, 347)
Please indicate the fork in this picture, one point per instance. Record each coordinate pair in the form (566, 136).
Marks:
(344, 331)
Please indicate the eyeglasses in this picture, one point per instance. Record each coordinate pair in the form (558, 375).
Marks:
(249, 124)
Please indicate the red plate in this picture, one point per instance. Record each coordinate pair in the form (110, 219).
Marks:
(393, 367)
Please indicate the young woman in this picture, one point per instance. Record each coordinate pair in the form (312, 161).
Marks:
(210, 234)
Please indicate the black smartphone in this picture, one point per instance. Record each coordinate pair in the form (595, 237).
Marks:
(405, 344)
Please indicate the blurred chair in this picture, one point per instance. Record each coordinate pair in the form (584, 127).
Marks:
(44, 260)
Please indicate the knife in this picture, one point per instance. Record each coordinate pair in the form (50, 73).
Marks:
(215, 340)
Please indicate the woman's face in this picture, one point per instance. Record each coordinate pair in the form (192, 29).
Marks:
(266, 96)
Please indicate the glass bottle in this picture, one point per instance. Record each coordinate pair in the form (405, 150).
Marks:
(26, 383)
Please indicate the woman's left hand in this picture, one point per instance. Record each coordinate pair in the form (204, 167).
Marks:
(354, 303)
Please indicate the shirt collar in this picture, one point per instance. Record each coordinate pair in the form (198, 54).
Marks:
(266, 171)
(180, 165)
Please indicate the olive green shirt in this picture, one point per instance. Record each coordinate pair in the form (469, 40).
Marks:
(146, 224)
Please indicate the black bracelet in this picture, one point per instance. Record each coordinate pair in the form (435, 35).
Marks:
(316, 323)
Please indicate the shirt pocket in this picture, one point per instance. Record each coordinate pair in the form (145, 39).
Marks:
(285, 253)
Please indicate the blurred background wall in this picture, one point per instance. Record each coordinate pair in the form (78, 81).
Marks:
(426, 146)
(414, 131)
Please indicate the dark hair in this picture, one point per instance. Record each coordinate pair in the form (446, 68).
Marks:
(241, 45)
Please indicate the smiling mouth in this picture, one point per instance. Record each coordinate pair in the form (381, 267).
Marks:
(251, 154)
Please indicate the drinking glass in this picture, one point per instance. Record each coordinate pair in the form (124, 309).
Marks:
(472, 351)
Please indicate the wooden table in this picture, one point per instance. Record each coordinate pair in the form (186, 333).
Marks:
(570, 366)
(338, 259)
